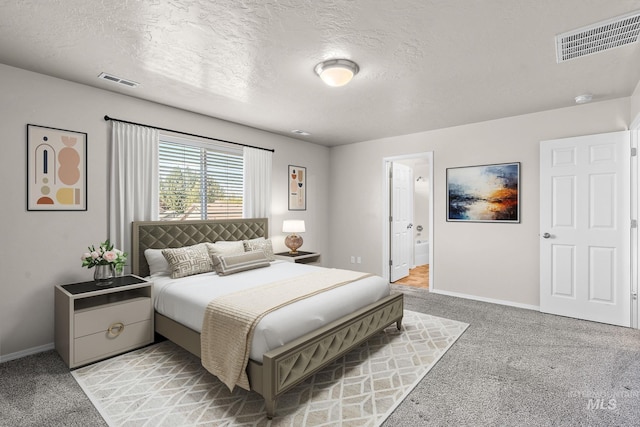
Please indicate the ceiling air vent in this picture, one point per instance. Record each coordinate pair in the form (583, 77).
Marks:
(598, 37)
(115, 79)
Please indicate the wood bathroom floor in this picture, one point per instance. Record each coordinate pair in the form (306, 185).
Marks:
(418, 277)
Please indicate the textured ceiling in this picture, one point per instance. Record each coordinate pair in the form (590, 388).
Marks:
(424, 64)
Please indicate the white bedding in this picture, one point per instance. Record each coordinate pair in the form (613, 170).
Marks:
(185, 300)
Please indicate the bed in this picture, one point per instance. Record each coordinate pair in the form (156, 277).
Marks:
(281, 368)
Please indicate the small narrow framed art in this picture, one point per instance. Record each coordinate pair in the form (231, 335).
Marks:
(297, 187)
(56, 169)
(487, 193)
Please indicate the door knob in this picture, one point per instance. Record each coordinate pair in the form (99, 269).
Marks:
(546, 235)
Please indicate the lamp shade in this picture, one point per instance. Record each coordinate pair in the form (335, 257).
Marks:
(293, 226)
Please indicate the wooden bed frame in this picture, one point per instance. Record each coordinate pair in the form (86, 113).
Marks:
(281, 368)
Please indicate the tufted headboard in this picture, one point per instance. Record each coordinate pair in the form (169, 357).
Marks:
(175, 234)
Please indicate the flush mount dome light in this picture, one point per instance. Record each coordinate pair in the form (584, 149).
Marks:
(336, 72)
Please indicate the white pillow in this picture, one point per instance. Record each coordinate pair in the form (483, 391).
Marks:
(225, 248)
(157, 262)
(260, 244)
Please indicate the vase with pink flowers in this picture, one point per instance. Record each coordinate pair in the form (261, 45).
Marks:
(107, 260)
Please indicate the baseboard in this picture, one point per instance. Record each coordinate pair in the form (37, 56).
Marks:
(483, 299)
(27, 352)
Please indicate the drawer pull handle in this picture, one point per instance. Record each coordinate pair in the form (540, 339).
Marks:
(115, 329)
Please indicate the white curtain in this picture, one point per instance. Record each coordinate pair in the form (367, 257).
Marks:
(133, 192)
(256, 202)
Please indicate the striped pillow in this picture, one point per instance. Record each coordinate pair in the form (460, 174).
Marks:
(230, 264)
(188, 260)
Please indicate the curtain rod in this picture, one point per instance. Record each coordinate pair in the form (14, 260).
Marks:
(107, 118)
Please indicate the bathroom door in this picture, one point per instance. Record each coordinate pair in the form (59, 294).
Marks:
(401, 179)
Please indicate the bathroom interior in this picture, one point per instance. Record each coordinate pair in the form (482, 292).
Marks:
(419, 272)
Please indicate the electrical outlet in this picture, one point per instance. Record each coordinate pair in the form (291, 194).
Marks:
(359, 260)
(353, 259)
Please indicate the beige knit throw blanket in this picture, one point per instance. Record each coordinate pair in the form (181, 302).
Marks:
(229, 321)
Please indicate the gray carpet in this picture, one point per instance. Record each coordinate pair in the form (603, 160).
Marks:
(39, 391)
(515, 367)
(512, 367)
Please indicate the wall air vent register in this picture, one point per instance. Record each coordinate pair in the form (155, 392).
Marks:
(114, 79)
(598, 37)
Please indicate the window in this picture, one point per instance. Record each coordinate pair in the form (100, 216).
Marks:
(199, 180)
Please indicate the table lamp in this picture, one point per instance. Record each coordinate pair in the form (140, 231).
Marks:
(293, 240)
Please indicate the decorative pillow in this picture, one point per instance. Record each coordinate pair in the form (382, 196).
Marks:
(260, 244)
(225, 248)
(157, 262)
(230, 264)
(189, 260)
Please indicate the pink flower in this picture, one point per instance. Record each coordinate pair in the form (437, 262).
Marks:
(110, 256)
(86, 255)
(95, 255)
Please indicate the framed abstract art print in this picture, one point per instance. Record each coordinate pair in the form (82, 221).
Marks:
(297, 187)
(487, 193)
(56, 169)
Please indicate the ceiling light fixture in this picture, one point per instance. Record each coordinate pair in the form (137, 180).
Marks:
(584, 98)
(336, 72)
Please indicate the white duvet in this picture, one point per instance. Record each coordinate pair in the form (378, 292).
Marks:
(185, 300)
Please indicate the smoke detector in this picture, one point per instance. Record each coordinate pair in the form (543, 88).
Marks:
(584, 98)
(605, 35)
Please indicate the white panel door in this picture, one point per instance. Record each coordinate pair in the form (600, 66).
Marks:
(401, 220)
(585, 228)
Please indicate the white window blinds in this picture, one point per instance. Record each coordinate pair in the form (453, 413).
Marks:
(199, 180)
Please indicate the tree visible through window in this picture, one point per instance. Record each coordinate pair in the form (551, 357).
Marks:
(199, 180)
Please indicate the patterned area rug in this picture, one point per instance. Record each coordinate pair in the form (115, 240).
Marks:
(163, 385)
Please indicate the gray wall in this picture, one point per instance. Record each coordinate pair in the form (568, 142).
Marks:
(486, 261)
(42, 249)
(635, 104)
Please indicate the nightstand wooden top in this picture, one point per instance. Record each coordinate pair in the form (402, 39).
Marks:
(91, 286)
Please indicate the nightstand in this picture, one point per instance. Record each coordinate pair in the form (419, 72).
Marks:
(301, 257)
(95, 322)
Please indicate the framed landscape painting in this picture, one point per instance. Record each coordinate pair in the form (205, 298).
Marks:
(487, 193)
(56, 169)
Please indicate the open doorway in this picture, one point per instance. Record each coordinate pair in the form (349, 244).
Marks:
(408, 220)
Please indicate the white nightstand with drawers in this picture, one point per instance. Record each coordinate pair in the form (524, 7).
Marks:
(94, 322)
